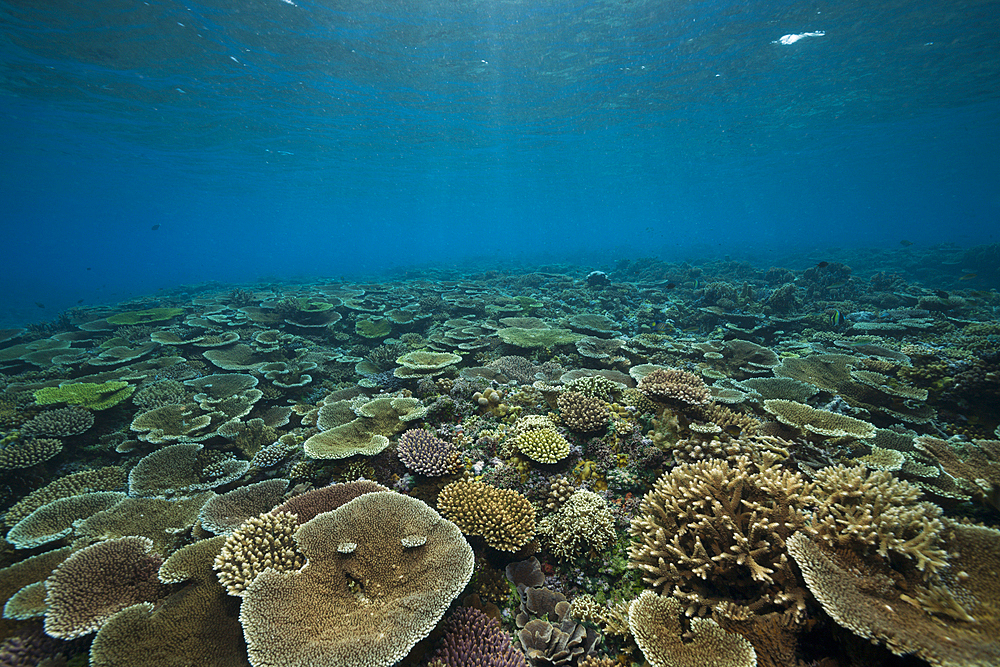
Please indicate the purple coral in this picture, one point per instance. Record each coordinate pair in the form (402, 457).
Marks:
(427, 455)
(473, 639)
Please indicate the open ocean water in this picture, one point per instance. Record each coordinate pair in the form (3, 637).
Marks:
(694, 303)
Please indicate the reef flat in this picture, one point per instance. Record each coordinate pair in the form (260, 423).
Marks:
(661, 464)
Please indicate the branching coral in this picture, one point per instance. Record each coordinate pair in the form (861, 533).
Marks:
(713, 532)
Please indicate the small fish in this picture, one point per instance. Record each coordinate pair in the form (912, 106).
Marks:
(733, 430)
(941, 294)
(905, 243)
(88, 268)
(660, 326)
(671, 285)
(837, 284)
(79, 302)
(822, 265)
(40, 305)
(836, 318)
(154, 227)
(969, 276)
(697, 283)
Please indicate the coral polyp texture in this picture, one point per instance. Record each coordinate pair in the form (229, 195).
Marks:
(672, 463)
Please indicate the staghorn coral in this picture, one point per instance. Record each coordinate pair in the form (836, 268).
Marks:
(427, 455)
(674, 386)
(60, 423)
(90, 586)
(583, 414)
(656, 626)
(711, 531)
(544, 445)
(382, 570)
(504, 518)
(582, 524)
(195, 625)
(263, 541)
(472, 639)
(872, 511)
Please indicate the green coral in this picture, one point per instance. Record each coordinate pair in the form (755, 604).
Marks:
(86, 394)
(544, 445)
(373, 327)
(532, 338)
(144, 316)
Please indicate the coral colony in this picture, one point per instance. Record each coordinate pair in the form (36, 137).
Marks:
(659, 464)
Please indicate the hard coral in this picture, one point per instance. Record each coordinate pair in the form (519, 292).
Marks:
(382, 571)
(96, 582)
(427, 455)
(656, 627)
(711, 531)
(504, 518)
(582, 524)
(676, 386)
(544, 445)
(583, 414)
(472, 639)
(264, 541)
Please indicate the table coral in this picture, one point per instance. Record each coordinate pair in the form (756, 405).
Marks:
(656, 626)
(90, 586)
(56, 519)
(194, 625)
(367, 584)
(24, 453)
(86, 394)
(61, 423)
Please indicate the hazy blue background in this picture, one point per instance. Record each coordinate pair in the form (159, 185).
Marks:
(344, 138)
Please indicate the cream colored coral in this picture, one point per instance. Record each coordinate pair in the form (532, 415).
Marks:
(544, 445)
(656, 627)
(264, 541)
(583, 523)
(504, 518)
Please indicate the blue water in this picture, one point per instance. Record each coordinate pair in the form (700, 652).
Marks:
(320, 138)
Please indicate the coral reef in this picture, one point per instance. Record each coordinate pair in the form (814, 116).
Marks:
(707, 463)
